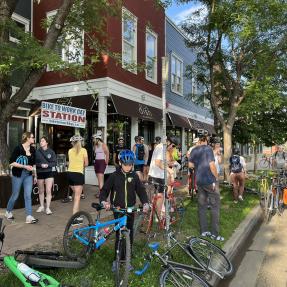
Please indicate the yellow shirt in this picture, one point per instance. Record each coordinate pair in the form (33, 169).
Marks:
(76, 161)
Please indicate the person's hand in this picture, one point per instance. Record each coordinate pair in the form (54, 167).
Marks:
(44, 165)
(145, 208)
(106, 205)
(28, 167)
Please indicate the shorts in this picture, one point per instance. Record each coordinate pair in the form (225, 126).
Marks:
(100, 166)
(139, 167)
(159, 188)
(45, 175)
(76, 178)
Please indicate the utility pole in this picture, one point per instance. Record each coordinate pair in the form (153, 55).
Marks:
(164, 73)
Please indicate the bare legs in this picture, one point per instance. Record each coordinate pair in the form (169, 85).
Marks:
(45, 185)
(100, 178)
(77, 189)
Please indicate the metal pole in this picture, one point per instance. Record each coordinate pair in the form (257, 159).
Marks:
(164, 79)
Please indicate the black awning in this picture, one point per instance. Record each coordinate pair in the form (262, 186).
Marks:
(179, 121)
(83, 102)
(200, 125)
(134, 109)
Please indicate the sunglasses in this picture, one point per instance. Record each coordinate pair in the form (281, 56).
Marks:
(172, 145)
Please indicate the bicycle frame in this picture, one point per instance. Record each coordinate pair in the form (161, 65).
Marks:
(119, 224)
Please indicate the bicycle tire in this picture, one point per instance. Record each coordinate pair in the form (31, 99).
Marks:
(180, 277)
(202, 250)
(72, 246)
(123, 266)
(268, 207)
(40, 262)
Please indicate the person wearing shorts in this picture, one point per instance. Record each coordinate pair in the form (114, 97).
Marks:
(45, 168)
(78, 160)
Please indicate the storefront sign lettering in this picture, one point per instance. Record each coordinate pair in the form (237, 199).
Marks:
(56, 114)
(145, 111)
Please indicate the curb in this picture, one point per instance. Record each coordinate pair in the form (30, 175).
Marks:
(233, 246)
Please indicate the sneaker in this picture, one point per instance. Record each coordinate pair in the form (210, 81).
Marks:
(217, 238)
(31, 220)
(9, 215)
(205, 234)
(40, 209)
(48, 211)
(67, 199)
(240, 197)
(77, 221)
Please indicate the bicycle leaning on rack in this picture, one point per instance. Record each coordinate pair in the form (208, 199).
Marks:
(144, 223)
(29, 277)
(208, 258)
(82, 239)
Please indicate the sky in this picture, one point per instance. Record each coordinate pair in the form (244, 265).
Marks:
(178, 13)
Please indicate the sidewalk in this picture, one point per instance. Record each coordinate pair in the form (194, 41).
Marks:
(50, 228)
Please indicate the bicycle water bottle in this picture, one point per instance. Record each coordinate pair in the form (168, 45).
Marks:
(103, 232)
(29, 273)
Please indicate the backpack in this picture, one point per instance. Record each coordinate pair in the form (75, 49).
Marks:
(235, 164)
(140, 152)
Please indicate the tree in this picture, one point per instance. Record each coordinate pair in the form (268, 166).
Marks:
(31, 56)
(240, 45)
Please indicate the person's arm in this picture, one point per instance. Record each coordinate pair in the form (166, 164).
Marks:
(146, 153)
(14, 157)
(107, 153)
(53, 160)
(105, 191)
(86, 161)
(140, 190)
(213, 169)
(38, 159)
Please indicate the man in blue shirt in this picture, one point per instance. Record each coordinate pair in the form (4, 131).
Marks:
(202, 160)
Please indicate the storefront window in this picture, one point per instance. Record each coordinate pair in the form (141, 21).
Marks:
(16, 129)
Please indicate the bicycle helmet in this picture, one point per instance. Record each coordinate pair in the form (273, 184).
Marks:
(127, 156)
(76, 138)
(173, 139)
(236, 151)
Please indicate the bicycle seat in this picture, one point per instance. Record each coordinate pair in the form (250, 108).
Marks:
(97, 206)
(154, 246)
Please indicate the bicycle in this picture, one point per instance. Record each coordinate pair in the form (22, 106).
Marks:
(274, 197)
(88, 236)
(266, 162)
(145, 222)
(207, 257)
(32, 279)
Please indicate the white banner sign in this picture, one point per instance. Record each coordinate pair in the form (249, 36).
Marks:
(56, 114)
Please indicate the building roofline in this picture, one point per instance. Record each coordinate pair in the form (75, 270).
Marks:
(176, 27)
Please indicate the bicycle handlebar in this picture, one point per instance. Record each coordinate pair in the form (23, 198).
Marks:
(142, 271)
(99, 207)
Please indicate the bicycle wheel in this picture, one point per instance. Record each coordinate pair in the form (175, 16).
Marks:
(60, 262)
(72, 246)
(210, 257)
(123, 259)
(180, 277)
(268, 210)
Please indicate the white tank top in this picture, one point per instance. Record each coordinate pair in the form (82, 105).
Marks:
(99, 153)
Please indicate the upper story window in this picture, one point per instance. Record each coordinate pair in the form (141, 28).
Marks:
(70, 49)
(22, 23)
(151, 56)
(176, 74)
(129, 41)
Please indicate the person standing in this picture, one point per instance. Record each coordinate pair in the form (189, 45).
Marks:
(279, 158)
(215, 144)
(22, 161)
(45, 166)
(238, 173)
(146, 155)
(78, 160)
(203, 161)
(101, 155)
(139, 151)
(117, 149)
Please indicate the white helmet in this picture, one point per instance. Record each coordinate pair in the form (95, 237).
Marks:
(76, 138)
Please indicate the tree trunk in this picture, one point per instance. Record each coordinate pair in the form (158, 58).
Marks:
(4, 151)
(255, 158)
(227, 146)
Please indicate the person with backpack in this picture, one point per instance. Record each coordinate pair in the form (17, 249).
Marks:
(279, 158)
(237, 174)
(139, 151)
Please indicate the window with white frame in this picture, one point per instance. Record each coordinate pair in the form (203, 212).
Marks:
(151, 56)
(70, 49)
(22, 23)
(129, 41)
(176, 74)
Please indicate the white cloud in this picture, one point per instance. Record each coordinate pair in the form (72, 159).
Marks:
(183, 15)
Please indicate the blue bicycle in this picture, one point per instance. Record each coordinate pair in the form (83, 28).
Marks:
(82, 236)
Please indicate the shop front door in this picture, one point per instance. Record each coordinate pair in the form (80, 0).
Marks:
(146, 129)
